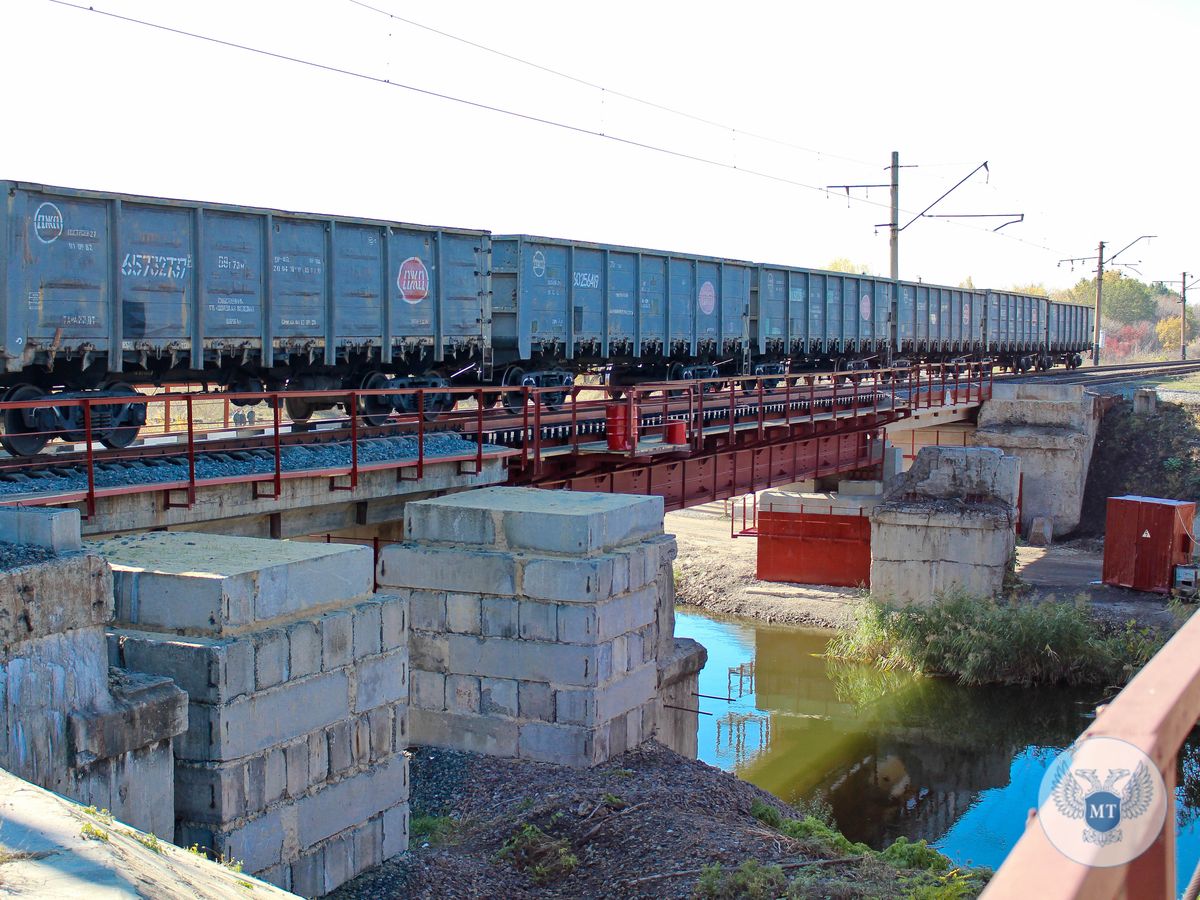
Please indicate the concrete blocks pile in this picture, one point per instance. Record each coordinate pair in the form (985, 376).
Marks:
(539, 619)
(297, 679)
(67, 722)
(960, 473)
(946, 526)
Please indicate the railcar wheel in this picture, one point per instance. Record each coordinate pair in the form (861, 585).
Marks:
(121, 436)
(19, 438)
(514, 401)
(376, 408)
(298, 409)
(675, 373)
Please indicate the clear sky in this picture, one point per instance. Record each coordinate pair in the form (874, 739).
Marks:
(1084, 110)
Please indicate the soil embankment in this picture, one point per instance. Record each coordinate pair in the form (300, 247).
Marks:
(643, 825)
(1150, 456)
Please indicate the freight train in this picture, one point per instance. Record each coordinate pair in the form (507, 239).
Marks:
(103, 292)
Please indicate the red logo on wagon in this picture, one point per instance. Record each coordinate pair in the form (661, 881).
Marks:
(413, 280)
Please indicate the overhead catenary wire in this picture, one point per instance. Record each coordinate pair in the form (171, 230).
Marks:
(487, 107)
(662, 107)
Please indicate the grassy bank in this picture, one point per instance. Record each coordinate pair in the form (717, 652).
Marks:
(908, 869)
(996, 642)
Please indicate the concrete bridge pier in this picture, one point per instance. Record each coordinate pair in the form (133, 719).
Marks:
(1052, 429)
(543, 625)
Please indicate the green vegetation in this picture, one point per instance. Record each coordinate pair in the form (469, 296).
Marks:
(920, 871)
(750, 881)
(149, 841)
(996, 642)
(545, 858)
(92, 833)
(434, 830)
(233, 865)
(102, 814)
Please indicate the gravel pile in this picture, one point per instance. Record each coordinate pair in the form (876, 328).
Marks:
(234, 463)
(647, 813)
(13, 556)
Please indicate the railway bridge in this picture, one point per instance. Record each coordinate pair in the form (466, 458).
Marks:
(234, 463)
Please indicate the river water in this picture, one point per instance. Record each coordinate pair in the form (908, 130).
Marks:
(893, 754)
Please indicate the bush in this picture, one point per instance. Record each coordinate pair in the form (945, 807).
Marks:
(543, 857)
(989, 642)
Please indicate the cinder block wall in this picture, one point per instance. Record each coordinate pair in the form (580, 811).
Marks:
(542, 622)
(297, 678)
(67, 722)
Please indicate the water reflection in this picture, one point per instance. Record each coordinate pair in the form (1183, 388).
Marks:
(892, 754)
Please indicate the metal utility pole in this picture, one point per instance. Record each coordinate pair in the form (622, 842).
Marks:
(1099, 295)
(1099, 257)
(895, 243)
(1183, 316)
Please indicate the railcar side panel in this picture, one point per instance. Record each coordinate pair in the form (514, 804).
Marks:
(652, 302)
(798, 315)
(906, 327)
(773, 324)
(735, 304)
(60, 251)
(298, 280)
(683, 304)
(708, 302)
(155, 263)
(622, 291)
(232, 254)
(357, 279)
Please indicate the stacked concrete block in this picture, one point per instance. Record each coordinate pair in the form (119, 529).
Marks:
(946, 526)
(68, 722)
(539, 620)
(297, 679)
(1052, 429)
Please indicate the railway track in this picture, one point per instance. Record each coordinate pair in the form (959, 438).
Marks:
(251, 454)
(1109, 374)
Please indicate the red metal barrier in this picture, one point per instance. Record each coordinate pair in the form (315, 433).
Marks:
(814, 548)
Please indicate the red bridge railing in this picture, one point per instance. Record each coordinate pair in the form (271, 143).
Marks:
(524, 425)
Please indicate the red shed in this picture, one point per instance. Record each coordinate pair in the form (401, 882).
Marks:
(1145, 539)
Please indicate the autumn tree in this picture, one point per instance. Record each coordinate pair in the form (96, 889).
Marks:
(843, 264)
(1125, 300)
(1167, 330)
(1036, 290)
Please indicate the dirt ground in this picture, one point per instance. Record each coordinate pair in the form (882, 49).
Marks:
(717, 574)
(641, 826)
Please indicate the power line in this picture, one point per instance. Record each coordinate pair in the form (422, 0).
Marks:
(662, 107)
(475, 104)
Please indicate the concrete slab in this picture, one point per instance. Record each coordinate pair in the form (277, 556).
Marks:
(61, 850)
(188, 582)
(306, 505)
(528, 519)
